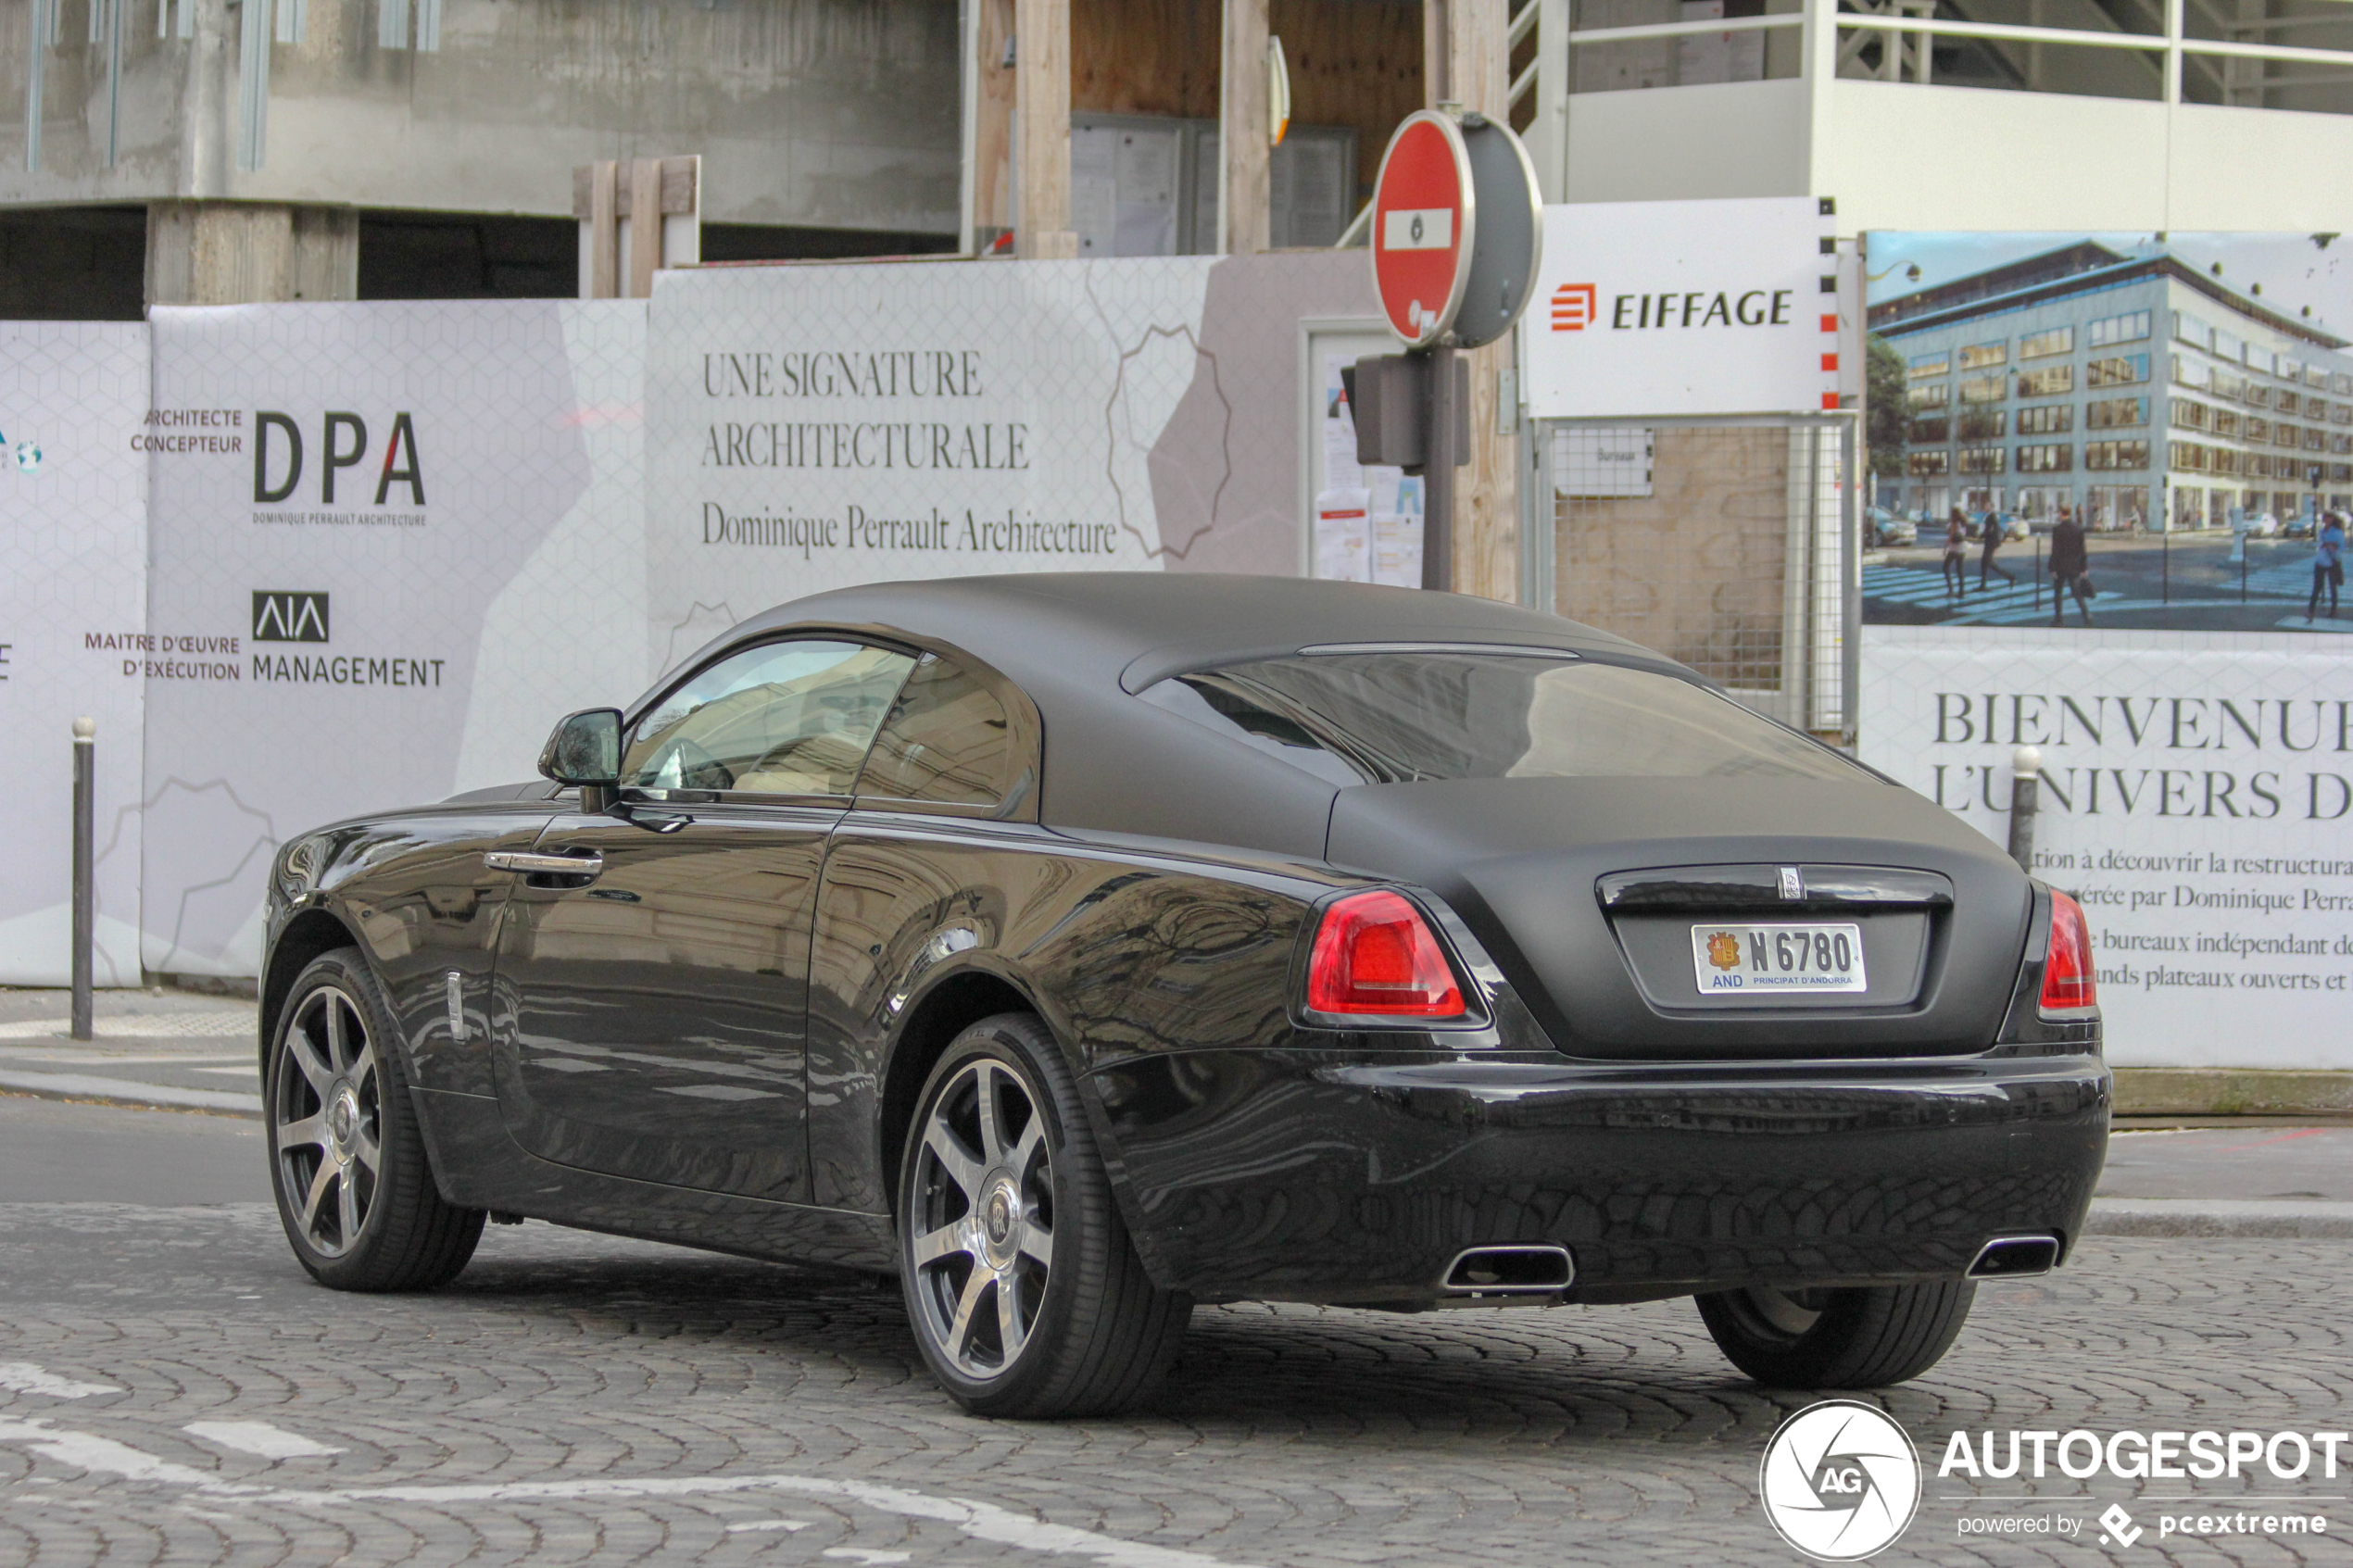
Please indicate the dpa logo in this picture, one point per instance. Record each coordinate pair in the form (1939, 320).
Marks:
(280, 616)
(278, 457)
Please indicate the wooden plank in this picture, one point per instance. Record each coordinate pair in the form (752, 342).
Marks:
(994, 85)
(645, 227)
(1242, 144)
(604, 224)
(1486, 501)
(1146, 56)
(1041, 65)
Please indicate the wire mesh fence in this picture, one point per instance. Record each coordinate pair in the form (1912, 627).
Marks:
(1729, 544)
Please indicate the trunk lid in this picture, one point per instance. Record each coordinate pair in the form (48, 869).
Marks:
(1587, 892)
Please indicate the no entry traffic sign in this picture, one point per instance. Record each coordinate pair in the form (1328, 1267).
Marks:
(1424, 227)
(1458, 230)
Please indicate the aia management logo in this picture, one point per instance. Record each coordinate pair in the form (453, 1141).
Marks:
(280, 616)
(1841, 1480)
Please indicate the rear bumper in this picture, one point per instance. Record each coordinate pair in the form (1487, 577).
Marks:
(1316, 1176)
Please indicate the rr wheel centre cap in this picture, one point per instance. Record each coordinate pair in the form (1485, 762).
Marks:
(1000, 1221)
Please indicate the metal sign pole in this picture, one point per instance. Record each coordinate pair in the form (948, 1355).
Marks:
(1437, 479)
(85, 904)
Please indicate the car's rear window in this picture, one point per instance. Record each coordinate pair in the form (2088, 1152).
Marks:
(1398, 717)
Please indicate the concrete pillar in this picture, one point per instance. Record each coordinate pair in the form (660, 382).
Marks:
(1242, 129)
(1042, 69)
(244, 253)
(1475, 71)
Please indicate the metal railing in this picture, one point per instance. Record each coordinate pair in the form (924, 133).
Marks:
(1908, 30)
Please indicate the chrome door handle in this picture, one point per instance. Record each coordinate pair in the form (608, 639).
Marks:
(531, 863)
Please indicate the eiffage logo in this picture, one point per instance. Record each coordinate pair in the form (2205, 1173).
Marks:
(1573, 308)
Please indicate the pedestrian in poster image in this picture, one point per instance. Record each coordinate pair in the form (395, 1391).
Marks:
(1957, 556)
(2328, 565)
(1995, 531)
(2071, 568)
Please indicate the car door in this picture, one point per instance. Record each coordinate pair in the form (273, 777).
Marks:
(654, 963)
(941, 841)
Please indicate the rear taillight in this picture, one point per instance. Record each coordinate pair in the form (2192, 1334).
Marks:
(2067, 979)
(1375, 954)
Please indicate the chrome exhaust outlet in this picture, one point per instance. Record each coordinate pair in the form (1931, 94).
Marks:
(2011, 1256)
(1502, 1273)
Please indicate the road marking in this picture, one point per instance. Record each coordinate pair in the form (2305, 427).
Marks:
(258, 1437)
(742, 1525)
(101, 1456)
(859, 1554)
(26, 1378)
(982, 1521)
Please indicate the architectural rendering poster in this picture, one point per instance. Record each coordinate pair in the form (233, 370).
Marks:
(2185, 406)
(75, 640)
(410, 550)
(811, 427)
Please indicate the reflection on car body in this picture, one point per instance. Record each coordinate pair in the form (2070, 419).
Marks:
(1078, 948)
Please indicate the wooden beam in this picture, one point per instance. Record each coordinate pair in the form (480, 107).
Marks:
(1042, 67)
(1477, 76)
(994, 88)
(1243, 139)
(645, 225)
(603, 224)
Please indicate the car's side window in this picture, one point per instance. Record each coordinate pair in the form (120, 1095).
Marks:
(946, 740)
(790, 718)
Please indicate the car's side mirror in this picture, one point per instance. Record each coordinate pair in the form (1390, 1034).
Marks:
(585, 750)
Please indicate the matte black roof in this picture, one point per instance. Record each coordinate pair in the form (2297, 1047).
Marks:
(1091, 626)
(1080, 643)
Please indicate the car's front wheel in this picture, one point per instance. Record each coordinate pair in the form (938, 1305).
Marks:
(346, 1157)
(1026, 1293)
(1857, 1337)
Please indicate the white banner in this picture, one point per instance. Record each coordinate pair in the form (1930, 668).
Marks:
(816, 427)
(415, 541)
(2197, 796)
(75, 636)
(1682, 308)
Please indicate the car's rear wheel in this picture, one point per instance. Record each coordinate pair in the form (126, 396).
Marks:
(1859, 1338)
(347, 1159)
(1024, 1291)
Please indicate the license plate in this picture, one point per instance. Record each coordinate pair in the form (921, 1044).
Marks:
(1778, 958)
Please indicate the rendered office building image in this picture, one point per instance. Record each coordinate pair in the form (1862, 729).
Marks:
(2139, 389)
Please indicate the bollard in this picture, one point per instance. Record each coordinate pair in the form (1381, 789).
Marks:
(85, 903)
(2026, 778)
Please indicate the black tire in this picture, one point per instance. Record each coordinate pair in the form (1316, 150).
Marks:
(1092, 1335)
(340, 1099)
(1862, 1337)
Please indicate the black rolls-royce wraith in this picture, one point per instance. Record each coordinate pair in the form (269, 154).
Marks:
(1080, 947)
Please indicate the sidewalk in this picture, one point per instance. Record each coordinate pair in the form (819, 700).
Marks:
(2255, 1177)
(174, 1050)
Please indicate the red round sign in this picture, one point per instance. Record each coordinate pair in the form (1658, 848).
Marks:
(1422, 218)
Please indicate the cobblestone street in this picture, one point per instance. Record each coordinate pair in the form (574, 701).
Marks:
(173, 1390)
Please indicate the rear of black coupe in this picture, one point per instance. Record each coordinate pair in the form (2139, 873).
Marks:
(1668, 1000)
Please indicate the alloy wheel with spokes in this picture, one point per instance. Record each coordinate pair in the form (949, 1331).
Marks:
(983, 1253)
(327, 1119)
